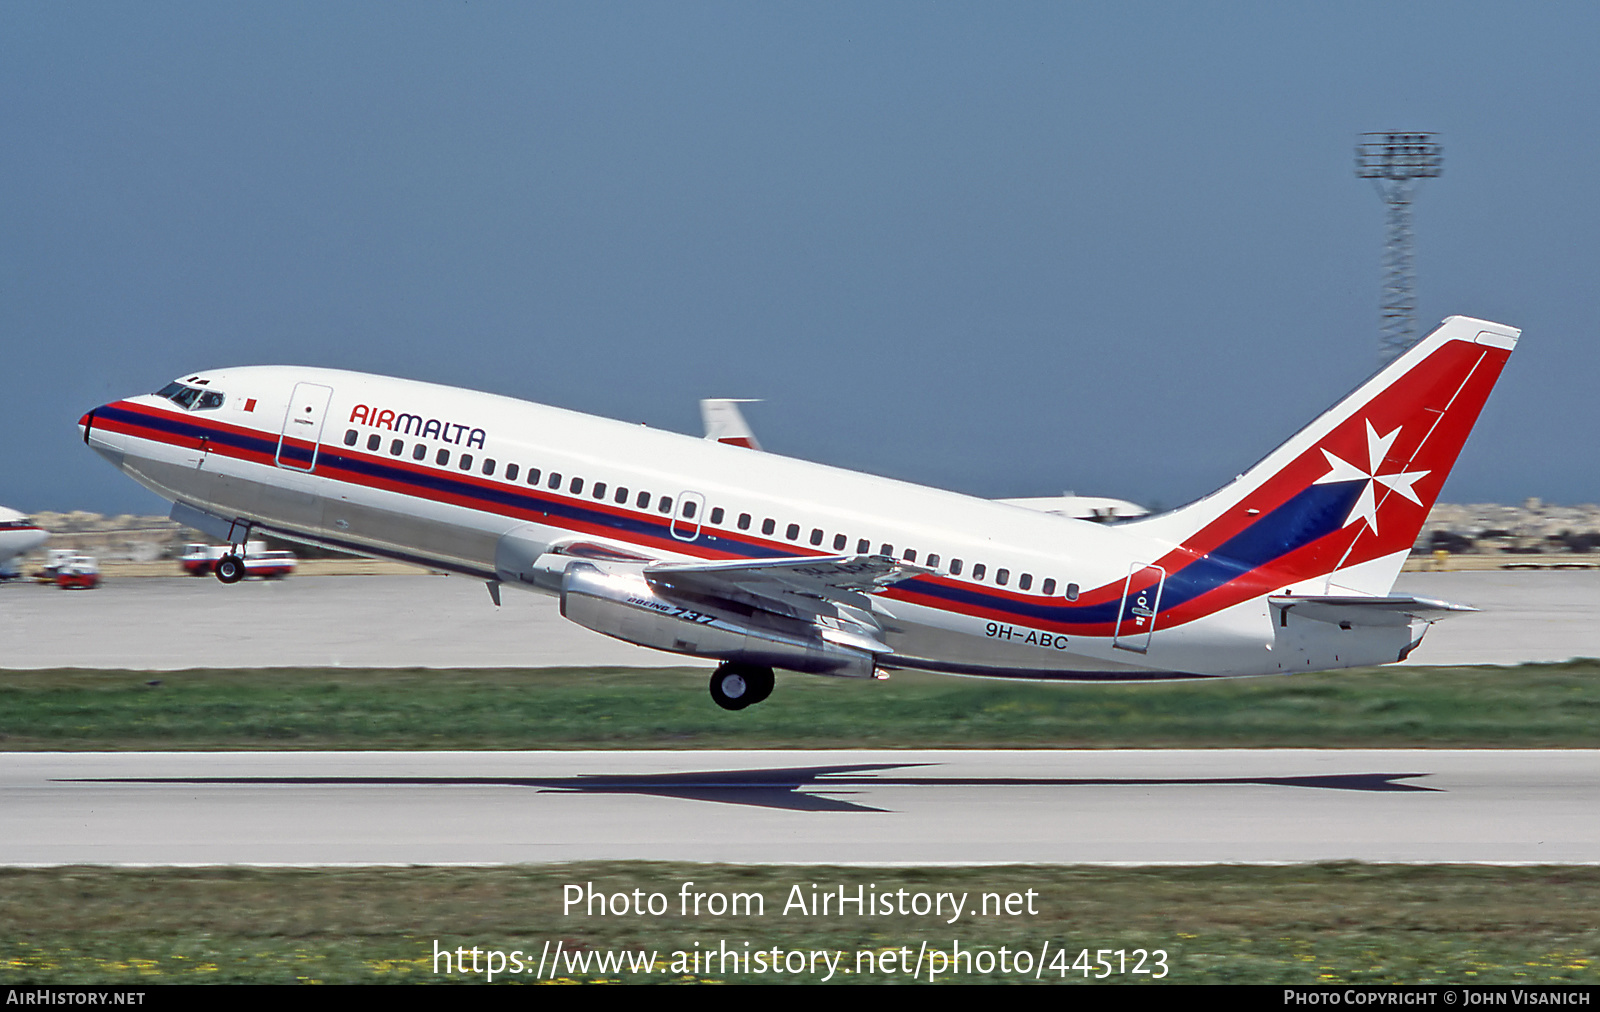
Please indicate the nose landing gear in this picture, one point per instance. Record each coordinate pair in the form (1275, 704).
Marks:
(230, 568)
(736, 686)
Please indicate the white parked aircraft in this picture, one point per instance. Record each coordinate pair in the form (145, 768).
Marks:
(762, 561)
(18, 537)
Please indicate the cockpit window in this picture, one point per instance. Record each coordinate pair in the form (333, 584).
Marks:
(191, 398)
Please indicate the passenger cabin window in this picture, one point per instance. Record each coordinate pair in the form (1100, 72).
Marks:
(419, 452)
(374, 441)
(1048, 589)
(665, 505)
(933, 562)
(768, 525)
(887, 550)
(911, 555)
(488, 465)
(555, 480)
(599, 490)
(863, 546)
(397, 447)
(466, 462)
(350, 437)
(688, 509)
(1072, 592)
(442, 458)
(978, 570)
(816, 535)
(512, 470)
(793, 532)
(1002, 576)
(955, 567)
(744, 521)
(1025, 581)
(533, 475)
(717, 514)
(839, 541)
(643, 502)
(621, 498)
(576, 487)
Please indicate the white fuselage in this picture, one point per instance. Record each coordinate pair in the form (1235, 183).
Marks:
(441, 477)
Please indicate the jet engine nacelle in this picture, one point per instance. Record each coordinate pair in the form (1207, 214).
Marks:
(620, 602)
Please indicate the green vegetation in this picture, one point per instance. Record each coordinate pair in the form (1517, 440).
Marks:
(1302, 924)
(1555, 705)
(1306, 924)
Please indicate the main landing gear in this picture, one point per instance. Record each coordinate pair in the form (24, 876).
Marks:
(736, 686)
(230, 568)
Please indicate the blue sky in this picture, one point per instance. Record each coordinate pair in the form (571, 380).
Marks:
(1009, 249)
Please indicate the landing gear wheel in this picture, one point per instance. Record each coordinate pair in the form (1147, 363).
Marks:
(230, 569)
(736, 686)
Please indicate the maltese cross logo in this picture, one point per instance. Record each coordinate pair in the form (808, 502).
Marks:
(1366, 507)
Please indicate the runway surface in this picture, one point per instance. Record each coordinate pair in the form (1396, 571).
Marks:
(447, 622)
(845, 807)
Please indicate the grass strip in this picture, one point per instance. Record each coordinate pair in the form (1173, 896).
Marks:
(1543, 705)
(1337, 923)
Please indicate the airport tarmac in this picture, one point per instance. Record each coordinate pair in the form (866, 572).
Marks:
(835, 807)
(448, 622)
(422, 621)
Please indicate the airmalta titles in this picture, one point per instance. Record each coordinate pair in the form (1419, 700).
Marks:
(415, 425)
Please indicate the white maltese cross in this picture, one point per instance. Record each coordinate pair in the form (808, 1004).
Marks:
(1366, 507)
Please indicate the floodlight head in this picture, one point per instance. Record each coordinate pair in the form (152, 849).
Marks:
(1400, 156)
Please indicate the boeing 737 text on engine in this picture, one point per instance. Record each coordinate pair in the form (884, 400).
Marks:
(712, 549)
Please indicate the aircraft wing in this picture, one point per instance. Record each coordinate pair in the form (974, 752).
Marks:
(831, 590)
(843, 578)
(1367, 611)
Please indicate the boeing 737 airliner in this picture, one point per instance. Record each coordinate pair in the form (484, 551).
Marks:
(711, 549)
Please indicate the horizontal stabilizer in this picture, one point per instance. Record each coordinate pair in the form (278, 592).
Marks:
(1348, 610)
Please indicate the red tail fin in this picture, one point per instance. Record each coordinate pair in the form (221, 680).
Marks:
(1343, 499)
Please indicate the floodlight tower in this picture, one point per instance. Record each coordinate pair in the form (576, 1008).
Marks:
(1394, 162)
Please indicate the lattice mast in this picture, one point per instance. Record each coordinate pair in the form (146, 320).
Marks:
(1395, 162)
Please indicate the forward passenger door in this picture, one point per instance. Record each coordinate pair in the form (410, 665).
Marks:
(302, 426)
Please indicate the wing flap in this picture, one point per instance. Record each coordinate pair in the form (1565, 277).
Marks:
(818, 576)
(833, 586)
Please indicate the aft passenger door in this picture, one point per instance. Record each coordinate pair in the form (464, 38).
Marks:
(1141, 605)
(302, 426)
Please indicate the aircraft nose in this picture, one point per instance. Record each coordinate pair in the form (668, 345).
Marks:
(86, 424)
